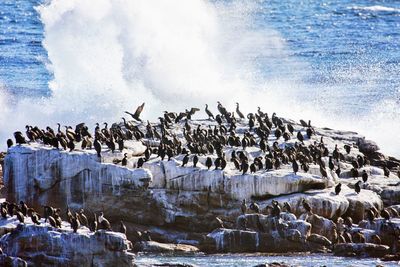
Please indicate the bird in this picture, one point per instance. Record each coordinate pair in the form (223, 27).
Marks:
(254, 207)
(357, 187)
(240, 114)
(295, 166)
(364, 176)
(209, 113)
(75, 224)
(306, 206)
(195, 160)
(122, 227)
(124, 161)
(209, 163)
(287, 207)
(20, 216)
(386, 171)
(185, 160)
(243, 207)
(104, 223)
(338, 187)
(137, 113)
(10, 143)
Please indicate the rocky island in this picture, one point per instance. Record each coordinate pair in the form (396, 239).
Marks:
(227, 184)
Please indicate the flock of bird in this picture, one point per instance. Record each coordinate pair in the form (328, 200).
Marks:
(52, 216)
(203, 140)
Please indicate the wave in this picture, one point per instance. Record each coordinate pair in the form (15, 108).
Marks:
(376, 8)
(116, 54)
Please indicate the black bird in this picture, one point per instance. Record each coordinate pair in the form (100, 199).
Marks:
(124, 161)
(276, 210)
(386, 171)
(338, 188)
(254, 207)
(137, 113)
(75, 224)
(223, 163)
(97, 147)
(52, 221)
(20, 217)
(195, 160)
(295, 166)
(23, 208)
(300, 136)
(357, 187)
(354, 173)
(385, 214)
(370, 215)
(93, 225)
(82, 218)
(306, 206)
(253, 168)
(10, 143)
(331, 165)
(35, 218)
(243, 207)
(287, 207)
(185, 160)
(338, 171)
(19, 138)
(364, 176)
(140, 162)
(122, 227)
(245, 167)
(104, 223)
(209, 113)
(209, 162)
(347, 148)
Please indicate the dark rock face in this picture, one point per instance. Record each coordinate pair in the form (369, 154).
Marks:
(361, 249)
(367, 146)
(8, 261)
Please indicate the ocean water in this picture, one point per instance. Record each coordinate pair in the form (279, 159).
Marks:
(334, 62)
(239, 260)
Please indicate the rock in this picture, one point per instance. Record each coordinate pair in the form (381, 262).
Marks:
(31, 170)
(156, 247)
(361, 249)
(45, 245)
(9, 261)
(319, 239)
(359, 203)
(322, 226)
(367, 146)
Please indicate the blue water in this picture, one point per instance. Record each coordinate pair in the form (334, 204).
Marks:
(23, 59)
(238, 260)
(340, 58)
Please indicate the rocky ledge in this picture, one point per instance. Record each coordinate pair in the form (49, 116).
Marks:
(255, 184)
(43, 245)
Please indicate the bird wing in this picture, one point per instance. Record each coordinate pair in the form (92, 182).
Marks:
(193, 110)
(139, 110)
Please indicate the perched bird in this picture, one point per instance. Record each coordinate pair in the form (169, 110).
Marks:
(357, 187)
(386, 171)
(209, 163)
(295, 167)
(122, 227)
(364, 176)
(306, 206)
(254, 207)
(195, 160)
(185, 160)
(338, 187)
(243, 207)
(104, 223)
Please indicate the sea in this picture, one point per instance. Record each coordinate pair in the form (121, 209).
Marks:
(335, 62)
